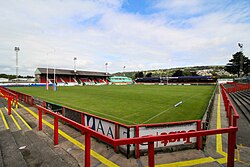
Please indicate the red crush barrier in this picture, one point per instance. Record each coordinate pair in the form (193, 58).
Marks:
(232, 116)
(12, 97)
(138, 140)
(21, 96)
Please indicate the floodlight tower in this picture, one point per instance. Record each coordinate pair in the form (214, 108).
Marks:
(124, 70)
(75, 64)
(167, 76)
(17, 49)
(241, 59)
(106, 65)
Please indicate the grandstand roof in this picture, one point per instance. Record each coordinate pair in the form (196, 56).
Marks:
(40, 71)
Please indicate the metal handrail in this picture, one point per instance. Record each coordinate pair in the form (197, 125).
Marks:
(137, 140)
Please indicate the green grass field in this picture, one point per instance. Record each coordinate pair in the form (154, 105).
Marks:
(131, 104)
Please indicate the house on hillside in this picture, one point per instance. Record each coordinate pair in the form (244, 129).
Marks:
(4, 80)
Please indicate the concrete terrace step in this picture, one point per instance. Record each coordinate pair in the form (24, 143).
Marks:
(245, 100)
(245, 94)
(37, 152)
(241, 104)
(1, 157)
(11, 156)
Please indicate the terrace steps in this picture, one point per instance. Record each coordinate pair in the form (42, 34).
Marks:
(10, 154)
(21, 148)
(241, 100)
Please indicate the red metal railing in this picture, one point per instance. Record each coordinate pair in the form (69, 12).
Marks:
(236, 87)
(137, 131)
(12, 98)
(231, 112)
(22, 97)
(231, 131)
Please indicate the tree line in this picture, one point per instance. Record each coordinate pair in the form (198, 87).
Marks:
(14, 76)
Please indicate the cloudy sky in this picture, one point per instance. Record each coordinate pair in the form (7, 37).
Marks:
(138, 34)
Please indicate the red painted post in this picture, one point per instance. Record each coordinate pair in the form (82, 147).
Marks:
(56, 129)
(44, 104)
(32, 104)
(151, 156)
(231, 146)
(9, 105)
(87, 149)
(230, 115)
(199, 137)
(29, 100)
(235, 118)
(137, 146)
(40, 123)
(116, 136)
(83, 121)
(227, 107)
(63, 114)
(63, 111)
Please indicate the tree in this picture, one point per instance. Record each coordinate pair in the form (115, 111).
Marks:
(149, 74)
(7, 76)
(139, 75)
(178, 73)
(233, 67)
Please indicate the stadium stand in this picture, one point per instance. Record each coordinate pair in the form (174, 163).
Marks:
(120, 80)
(70, 77)
(58, 80)
(43, 79)
(86, 81)
(180, 79)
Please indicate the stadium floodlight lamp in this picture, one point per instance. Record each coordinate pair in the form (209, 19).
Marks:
(106, 64)
(240, 45)
(75, 64)
(17, 49)
(124, 70)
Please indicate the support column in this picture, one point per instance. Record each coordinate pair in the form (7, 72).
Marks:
(87, 149)
(40, 123)
(82, 121)
(231, 147)
(56, 129)
(9, 105)
(137, 146)
(151, 156)
(199, 137)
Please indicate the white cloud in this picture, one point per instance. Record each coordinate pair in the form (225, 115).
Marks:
(52, 33)
(185, 7)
